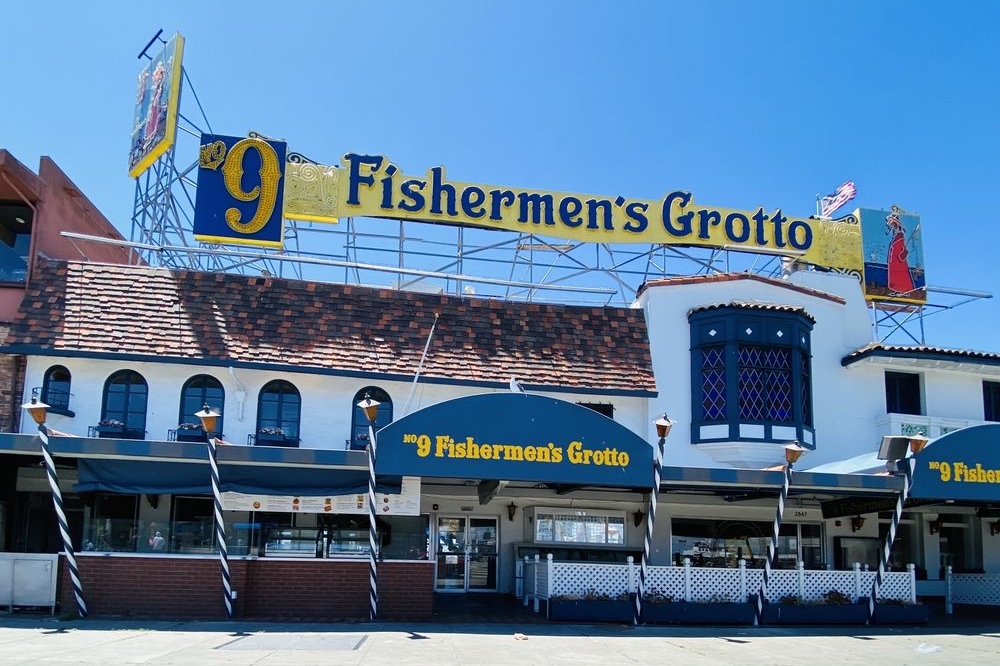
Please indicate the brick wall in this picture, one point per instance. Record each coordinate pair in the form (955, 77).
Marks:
(183, 587)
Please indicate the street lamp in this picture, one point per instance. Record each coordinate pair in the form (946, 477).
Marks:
(663, 425)
(209, 418)
(370, 408)
(893, 450)
(37, 409)
(792, 454)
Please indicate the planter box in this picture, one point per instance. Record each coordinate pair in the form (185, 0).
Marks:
(191, 436)
(591, 610)
(901, 614)
(276, 440)
(683, 612)
(815, 614)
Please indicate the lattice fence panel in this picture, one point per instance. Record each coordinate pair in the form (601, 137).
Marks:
(542, 578)
(754, 578)
(895, 585)
(715, 584)
(668, 581)
(530, 572)
(580, 579)
(975, 589)
(782, 582)
(817, 582)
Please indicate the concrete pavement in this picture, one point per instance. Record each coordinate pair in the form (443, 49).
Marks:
(52, 641)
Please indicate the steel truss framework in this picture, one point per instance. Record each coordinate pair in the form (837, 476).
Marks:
(443, 258)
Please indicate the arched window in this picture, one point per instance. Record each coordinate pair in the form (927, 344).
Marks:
(359, 422)
(55, 389)
(279, 406)
(125, 398)
(199, 391)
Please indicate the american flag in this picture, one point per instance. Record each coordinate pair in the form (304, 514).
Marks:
(831, 202)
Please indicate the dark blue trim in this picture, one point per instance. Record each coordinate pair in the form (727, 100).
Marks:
(686, 477)
(956, 357)
(37, 350)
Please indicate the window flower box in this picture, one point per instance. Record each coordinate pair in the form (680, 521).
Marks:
(894, 613)
(275, 437)
(594, 609)
(109, 428)
(190, 432)
(688, 612)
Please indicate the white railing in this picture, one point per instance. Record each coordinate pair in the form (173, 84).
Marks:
(914, 424)
(982, 589)
(547, 578)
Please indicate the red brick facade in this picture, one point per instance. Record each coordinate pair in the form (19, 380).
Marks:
(191, 587)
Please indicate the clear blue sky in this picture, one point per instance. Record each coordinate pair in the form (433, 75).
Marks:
(743, 103)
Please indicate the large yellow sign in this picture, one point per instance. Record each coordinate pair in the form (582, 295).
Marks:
(371, 186)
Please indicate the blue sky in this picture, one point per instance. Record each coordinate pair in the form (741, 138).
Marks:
(743, 103)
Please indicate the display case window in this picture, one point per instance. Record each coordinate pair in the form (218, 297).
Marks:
(586, 527)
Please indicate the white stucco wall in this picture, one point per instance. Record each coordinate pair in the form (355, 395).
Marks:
(327, 401)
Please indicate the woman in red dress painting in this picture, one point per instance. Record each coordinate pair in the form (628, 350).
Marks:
(900, 280)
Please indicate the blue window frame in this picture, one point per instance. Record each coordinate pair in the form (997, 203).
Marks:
(125, 399)
(280, 406)
(200, 391)
(750, 372)
(359, 422)
(56, 389)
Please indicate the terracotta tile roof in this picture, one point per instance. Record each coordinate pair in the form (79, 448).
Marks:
(733, 277)
(218, 317)
(920, 352)
(755, 305)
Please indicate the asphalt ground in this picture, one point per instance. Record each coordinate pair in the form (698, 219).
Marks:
(46, 640)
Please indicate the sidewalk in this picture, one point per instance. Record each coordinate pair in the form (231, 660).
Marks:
(42, 640)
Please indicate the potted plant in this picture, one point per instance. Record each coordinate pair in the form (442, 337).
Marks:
(834, 607)
(592, 607)
(659, 608)
(271, 436)
(900, 611)
(190, 432)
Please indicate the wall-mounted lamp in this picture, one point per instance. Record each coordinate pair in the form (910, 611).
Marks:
(857, 522)
(637, 518)
(511, 511)
(995, 528)
(935, 526)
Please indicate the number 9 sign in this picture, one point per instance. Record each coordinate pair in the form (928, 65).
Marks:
(240, 191)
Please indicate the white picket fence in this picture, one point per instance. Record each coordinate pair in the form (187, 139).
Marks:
(982, 589)
(543, 579)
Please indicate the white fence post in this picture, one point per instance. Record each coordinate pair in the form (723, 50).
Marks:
(537, 567)
(949, 607)
(857, 579)
(912, 570)
(800, 575)
(527, 592)
(743, 580)
(631, 584)
(687, 579)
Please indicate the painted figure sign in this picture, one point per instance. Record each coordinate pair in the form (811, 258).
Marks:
(154, 125)
(894, 258)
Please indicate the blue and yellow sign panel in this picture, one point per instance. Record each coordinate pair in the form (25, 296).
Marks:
(372, 186)
(515, 437)
(962, 465)
(154, 125)
(240, 190)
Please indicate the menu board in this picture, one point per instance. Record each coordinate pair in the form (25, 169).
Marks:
(406, 503)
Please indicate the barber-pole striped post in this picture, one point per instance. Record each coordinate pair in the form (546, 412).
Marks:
(57, 503)
(662, 430)
(220, 528)
(792, 453)
(370, 408)
(906, 466)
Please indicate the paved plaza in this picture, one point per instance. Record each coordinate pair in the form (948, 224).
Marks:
(43, 640)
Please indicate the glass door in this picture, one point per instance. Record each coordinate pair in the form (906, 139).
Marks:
(482, 554)
(466, 554)
(451, 554)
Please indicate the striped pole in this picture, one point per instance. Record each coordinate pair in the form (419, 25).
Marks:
(650, 520)
(57, 503)
(220, 528)
(372, 527)
(772, 548)
(906, 466)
